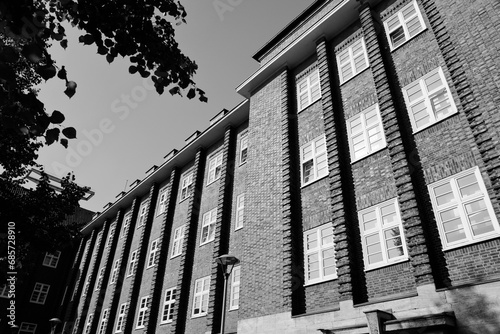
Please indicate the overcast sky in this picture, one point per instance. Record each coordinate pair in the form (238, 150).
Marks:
(123, 127)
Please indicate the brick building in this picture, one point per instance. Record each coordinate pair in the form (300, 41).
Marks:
(358, 184)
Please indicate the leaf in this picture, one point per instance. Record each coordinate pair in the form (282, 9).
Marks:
(175, 90)
(57, 117)
(132, 69)
(86, 39)
(109, 43)
(69, 132)
(191, 93)
(70, 89)
(102, 50)
(62, 74)
(64, 142)
(110, 58)
(52, 135)
(64, 43)
(33, 53)
(46, 72)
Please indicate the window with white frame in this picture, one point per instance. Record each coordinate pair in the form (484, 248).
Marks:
(240, 208)
(104, 321)
(39, 294)
(314, 161)
(153, 252)
(178, 241)
(382, 234)
(100, 277)
(243, 147)
(4, 291)
(27, 327)
(143, 212)
(186, 186)
(234, 297)
(111, 235)
(208, 226)
(201, 292)
(51, 259)
(463, 210)
(162, 203)
(143, 309)
(114, 272)
(126, 225)
(404, 25)
(352, 61)
(365, 133)
(167, 313)
(86, 286)
(308, 89)
(319, 254)
(88, 324)
(132, 267)
(214, 168)
(120, 321)
(429, 100)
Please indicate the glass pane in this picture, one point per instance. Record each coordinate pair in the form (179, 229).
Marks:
(414, 26)
(395, 252)
(374, 258)
(468, 185)
(475, 206)
(392, 233)
(441, 104)
(360, 63)
(444, 194)
(408, 11)
(455, 236)
(414, 92)
(433, 82)
(388, 213)
(397, 37)
(482, 228)
(420, 114)
(393, 22)
(327, 236)
(369, 220)
(307, 169)
(355, 125)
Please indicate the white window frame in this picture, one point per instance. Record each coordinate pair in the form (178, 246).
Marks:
(460, 202)
(100, 277)
(318, 251)
(364, 132)
(178, 241)
(305, 88)
(427, 97)
(40, 293)
(234, 303)
(208, 227)
(240, 211)
(27, 327)
(51, 259)
(317, 155)
(104, 321)
(186, 186)
(111, 233)
(120, 320)
(162, 201)
(200, 298)
(167, 310)
(379, 230)
(88, 323)
(214, 168)
(347, 57)
(403, 23)
(154, 249)
(132, 267)
(143, 214)
(141, 314)
(126, 225)
(243, 156)
(114, 272)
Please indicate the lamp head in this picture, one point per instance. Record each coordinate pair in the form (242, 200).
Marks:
(227, 263)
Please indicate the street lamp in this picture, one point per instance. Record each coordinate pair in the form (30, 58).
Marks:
(227, 263)
(53, 324)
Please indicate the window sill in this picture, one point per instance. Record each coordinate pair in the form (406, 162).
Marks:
(242, 163)
(233, 309)
(314, 181)
(212, 182)
(176, 255)
(310, 104)
(436, 122)
(183, 199)
(405, 42)
(165, 322)
(368, 155)
(238, 228)
(384, 265)
(354, 75)
(198, 316)
(319, 282)
(473, 242)
(206, 242)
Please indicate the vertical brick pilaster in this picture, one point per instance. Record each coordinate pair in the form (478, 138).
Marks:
(62, 312)
(222, 227)
(165, 234)
(414, 231)
(142, 252)
(187, 256)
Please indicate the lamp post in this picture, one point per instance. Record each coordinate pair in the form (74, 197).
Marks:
(227, 263)
(53, 324)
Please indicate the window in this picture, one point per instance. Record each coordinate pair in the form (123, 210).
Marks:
(99, 279)
(352, 60)
(178, 241)
(234, 302)
(463, 209)
(39, 294)
(243, 147)
(208, 226)
(27, 327)
(308, 89)
(429, 100)
(111, 234)
(4, 291)
(126, 225)
(201, 292)
(186, 186)
(86, 286)
(382, 234)
(104, 321)
(314, 161)
(143, 212)
(114, 273)
(132, 267)
(162, 203)
(51, 259)
(404, 25)
(168, 306)
(88, 325)
(120, 321)
(319, 253)
(240, 208)
(141, 316)
(214, 168)
(153, 252)
(365, 132)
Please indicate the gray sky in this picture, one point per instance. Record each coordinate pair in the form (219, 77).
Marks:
(123, 127)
